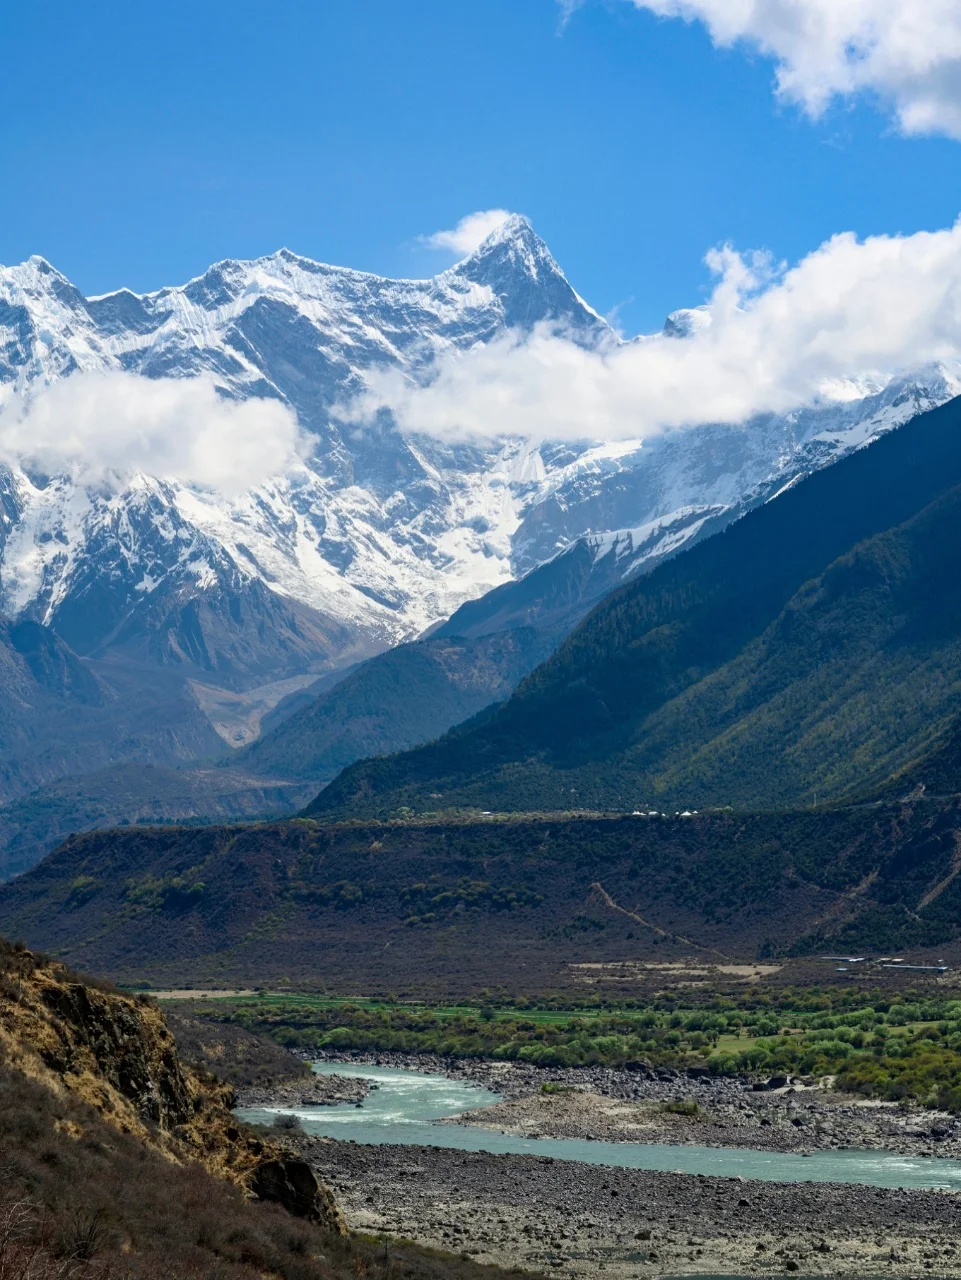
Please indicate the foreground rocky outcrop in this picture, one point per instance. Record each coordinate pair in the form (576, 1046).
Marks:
(118, 1161)
(115, 1053)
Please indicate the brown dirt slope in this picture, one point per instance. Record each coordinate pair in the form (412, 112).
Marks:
(118, 1162)
(116, 1054)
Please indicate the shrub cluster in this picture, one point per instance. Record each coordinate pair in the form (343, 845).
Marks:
(893, 1047)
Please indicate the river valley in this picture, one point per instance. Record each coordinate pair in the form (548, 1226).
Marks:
(573, 1206)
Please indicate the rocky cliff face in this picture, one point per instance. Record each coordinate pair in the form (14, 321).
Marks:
(116, 1053)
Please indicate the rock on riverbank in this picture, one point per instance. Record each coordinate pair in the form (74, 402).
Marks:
(312, 1091)
(787, 1121)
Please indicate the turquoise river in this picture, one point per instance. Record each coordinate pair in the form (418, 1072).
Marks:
(407, 1106)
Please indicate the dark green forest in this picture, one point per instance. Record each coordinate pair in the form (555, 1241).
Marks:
(895, 1046)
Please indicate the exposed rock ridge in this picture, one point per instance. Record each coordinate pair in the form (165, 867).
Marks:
(115, 1052)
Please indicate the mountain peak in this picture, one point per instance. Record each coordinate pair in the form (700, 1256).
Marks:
(34, 273)
(515, 227)
(512, 252)
(516, 264)
(39, 288)
(686, 321)
(514, 237)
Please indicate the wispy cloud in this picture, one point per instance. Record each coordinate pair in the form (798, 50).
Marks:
(568, 8)
(107, 427)
(906, 52)
(469, 233)
(770, 339)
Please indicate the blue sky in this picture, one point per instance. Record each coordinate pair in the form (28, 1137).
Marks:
(142, 142)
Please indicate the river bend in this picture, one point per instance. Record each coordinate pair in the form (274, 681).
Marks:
(406, 1106)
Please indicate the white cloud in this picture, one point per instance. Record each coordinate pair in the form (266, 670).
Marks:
(906, 51)
(568, 8)
(770, 339)
(110, 426)
(469, 233)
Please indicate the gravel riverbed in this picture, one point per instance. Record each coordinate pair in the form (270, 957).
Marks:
(601, 1223)
(574, 1220)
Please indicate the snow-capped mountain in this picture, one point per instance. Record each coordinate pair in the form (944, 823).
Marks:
(645, 502)
(687, 485)
(376, 535)
(370, 541)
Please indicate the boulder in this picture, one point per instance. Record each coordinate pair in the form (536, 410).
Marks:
(290, 1182)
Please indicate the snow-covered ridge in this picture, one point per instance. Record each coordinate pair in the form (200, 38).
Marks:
(375, 535)
(381, 533)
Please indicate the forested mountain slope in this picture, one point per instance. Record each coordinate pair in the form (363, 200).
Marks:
(400, 698)
(812, 646)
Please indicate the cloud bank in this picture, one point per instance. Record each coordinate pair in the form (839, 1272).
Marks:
(107, 427)
(908, 52)
(469, 233)
(853, 313)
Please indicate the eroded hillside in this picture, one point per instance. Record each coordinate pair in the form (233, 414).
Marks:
(518, 903)
(116, 1054)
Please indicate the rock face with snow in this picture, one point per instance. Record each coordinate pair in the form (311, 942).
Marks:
(647, 505)
(377, 535)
